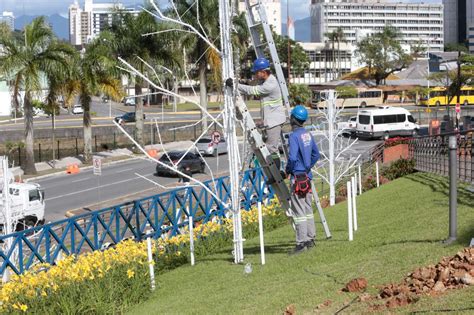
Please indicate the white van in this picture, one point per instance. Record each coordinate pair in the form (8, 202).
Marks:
(385, 122)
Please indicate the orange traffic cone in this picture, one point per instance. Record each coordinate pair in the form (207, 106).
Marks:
(153, 153)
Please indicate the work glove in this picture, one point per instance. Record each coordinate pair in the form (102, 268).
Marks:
(229, 82)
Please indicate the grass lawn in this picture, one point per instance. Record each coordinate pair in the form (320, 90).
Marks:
(211, 105)
(401, 226)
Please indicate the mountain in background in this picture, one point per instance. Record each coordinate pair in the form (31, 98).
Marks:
(302, 30)
(59, 24)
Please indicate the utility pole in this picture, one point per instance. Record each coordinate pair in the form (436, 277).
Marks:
(289, 43)
(458, 90)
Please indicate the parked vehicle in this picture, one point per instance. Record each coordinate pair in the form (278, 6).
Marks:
(127, 117)
(27, 205)
(77, 109)
(129, 101)
(348, 127)
(385, 122)
(194, 161)
(207, 147)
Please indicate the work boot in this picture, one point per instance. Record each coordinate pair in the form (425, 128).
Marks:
(310, 244)
(299, 248)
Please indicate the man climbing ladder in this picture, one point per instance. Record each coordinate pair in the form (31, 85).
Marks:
(270, 95)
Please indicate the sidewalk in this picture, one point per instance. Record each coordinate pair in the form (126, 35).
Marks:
(110, 157)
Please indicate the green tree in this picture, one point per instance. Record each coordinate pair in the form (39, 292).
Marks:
(300, 94)
(383, 54)
(336, 36)
(346, 91)
(129, 42)
(299, 59)
(28, 62)
(456, 47)
(204, 17)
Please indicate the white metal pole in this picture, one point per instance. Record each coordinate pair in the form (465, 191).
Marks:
(150, 261)
(349, 210)
(260, 229)
(7, 213)
(360, 181)
(331, 103)
(354, 205)
(191, 238)
(377, 172)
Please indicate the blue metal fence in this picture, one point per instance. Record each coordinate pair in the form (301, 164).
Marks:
(162, 213)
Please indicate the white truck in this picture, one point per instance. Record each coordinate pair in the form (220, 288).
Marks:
(26, 205)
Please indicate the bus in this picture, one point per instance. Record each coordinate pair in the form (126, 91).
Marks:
(365, 97)
(438, 96)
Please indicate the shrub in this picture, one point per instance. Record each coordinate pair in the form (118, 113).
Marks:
(399, 168)
(395, 141)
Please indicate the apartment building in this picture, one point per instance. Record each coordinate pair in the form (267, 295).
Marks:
(86, 24)
(417, 22)
(471, 38)
(458, 17)
(272, 10)
(8, 18)
(325, 64)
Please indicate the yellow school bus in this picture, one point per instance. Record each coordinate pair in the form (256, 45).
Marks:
(438, 97)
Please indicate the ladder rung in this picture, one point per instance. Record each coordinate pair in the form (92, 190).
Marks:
(255, 25)
(261, 45)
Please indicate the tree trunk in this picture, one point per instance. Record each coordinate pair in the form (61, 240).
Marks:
(29, 165)
(338, 60)
(86, 105)
(203, 91)
(139, 114)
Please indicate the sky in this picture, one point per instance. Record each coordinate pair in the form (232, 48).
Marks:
(298, 8)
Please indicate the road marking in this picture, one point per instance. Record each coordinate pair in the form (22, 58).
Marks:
(79, 180)
(125, 170)
(95, 188)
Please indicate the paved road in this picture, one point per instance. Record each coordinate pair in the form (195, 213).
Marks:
(102, 117)
(117, 183)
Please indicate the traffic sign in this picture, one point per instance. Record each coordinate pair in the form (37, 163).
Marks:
(97, 163)
(216, 137)
(458, 108)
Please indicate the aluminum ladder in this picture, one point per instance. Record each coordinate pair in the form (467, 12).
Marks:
(254, 21)
(256, 18)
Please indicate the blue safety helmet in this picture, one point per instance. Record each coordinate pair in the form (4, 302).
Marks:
(300, 112)
(260, 64)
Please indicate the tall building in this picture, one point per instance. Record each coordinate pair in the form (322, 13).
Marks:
(417, 22)
(86, 24)
(471, 39)
(458, 16)
(8, 18)
(272, 10)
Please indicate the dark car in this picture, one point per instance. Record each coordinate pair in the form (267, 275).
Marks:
(127, 117)
(194, 161)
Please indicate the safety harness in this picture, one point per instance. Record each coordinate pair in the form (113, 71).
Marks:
(302, 185)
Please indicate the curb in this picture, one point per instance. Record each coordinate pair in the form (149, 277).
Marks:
(62, 171)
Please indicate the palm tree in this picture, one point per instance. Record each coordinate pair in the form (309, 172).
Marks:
(97, 74)
(130, 43)
(340, 37)
(332, 37)
(28, 62)
(197, 49)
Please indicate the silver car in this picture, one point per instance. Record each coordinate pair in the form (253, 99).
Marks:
(207, 147)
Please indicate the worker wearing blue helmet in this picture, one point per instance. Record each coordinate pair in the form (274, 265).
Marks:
(268, 90)
(303, 154)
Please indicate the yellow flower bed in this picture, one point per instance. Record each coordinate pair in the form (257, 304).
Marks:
(44, 279)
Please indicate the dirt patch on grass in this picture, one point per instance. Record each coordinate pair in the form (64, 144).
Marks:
(450, 273)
